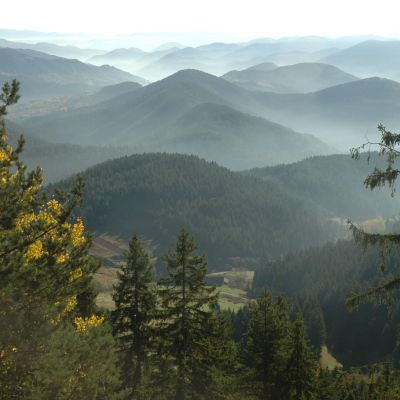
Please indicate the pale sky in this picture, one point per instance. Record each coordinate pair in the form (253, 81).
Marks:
(245, 18)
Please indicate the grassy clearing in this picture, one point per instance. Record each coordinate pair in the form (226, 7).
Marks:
(232, 291)
(228, 305)
(231, 298)
(239, 279)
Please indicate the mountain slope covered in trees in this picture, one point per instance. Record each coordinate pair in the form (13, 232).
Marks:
(232, 215)
(335, 182)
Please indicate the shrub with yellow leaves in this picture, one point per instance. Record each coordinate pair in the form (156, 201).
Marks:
(45, 270)
(83, 324)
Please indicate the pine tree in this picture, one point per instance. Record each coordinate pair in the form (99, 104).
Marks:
(267, 347)
(301, 368)
(135, 302)
(187, 309)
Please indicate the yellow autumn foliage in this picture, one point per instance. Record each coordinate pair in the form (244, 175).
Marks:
(83, 324)
(75, 275)
(34, 251)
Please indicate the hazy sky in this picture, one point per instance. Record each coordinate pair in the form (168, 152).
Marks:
(244, 18)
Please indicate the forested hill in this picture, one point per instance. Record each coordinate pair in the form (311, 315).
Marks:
(232, 215)
(335, 182)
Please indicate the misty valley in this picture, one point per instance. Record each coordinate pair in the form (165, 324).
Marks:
(214, 221)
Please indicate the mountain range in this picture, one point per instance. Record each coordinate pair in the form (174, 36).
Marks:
(343, 116)
(219, 58)
(191, 112)
(53, 49)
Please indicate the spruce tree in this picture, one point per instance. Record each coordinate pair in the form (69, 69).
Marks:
(267, 347)
(135, 301)
(301, 368)
(187, 309)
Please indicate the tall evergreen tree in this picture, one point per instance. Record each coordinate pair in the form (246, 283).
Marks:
(135, 302)
(187, 309)
(267, 347)
(301, 368)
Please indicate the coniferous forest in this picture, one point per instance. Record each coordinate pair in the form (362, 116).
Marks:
(199, 215)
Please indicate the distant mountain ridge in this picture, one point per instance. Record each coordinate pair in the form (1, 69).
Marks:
(369, 58)
(297, 78)
(53, 49)
(42, 75)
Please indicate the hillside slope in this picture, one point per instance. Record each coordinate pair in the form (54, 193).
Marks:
(336, 183)
(237, 140)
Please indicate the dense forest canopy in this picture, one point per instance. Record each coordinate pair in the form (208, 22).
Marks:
(336, 183)
(231, 214)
